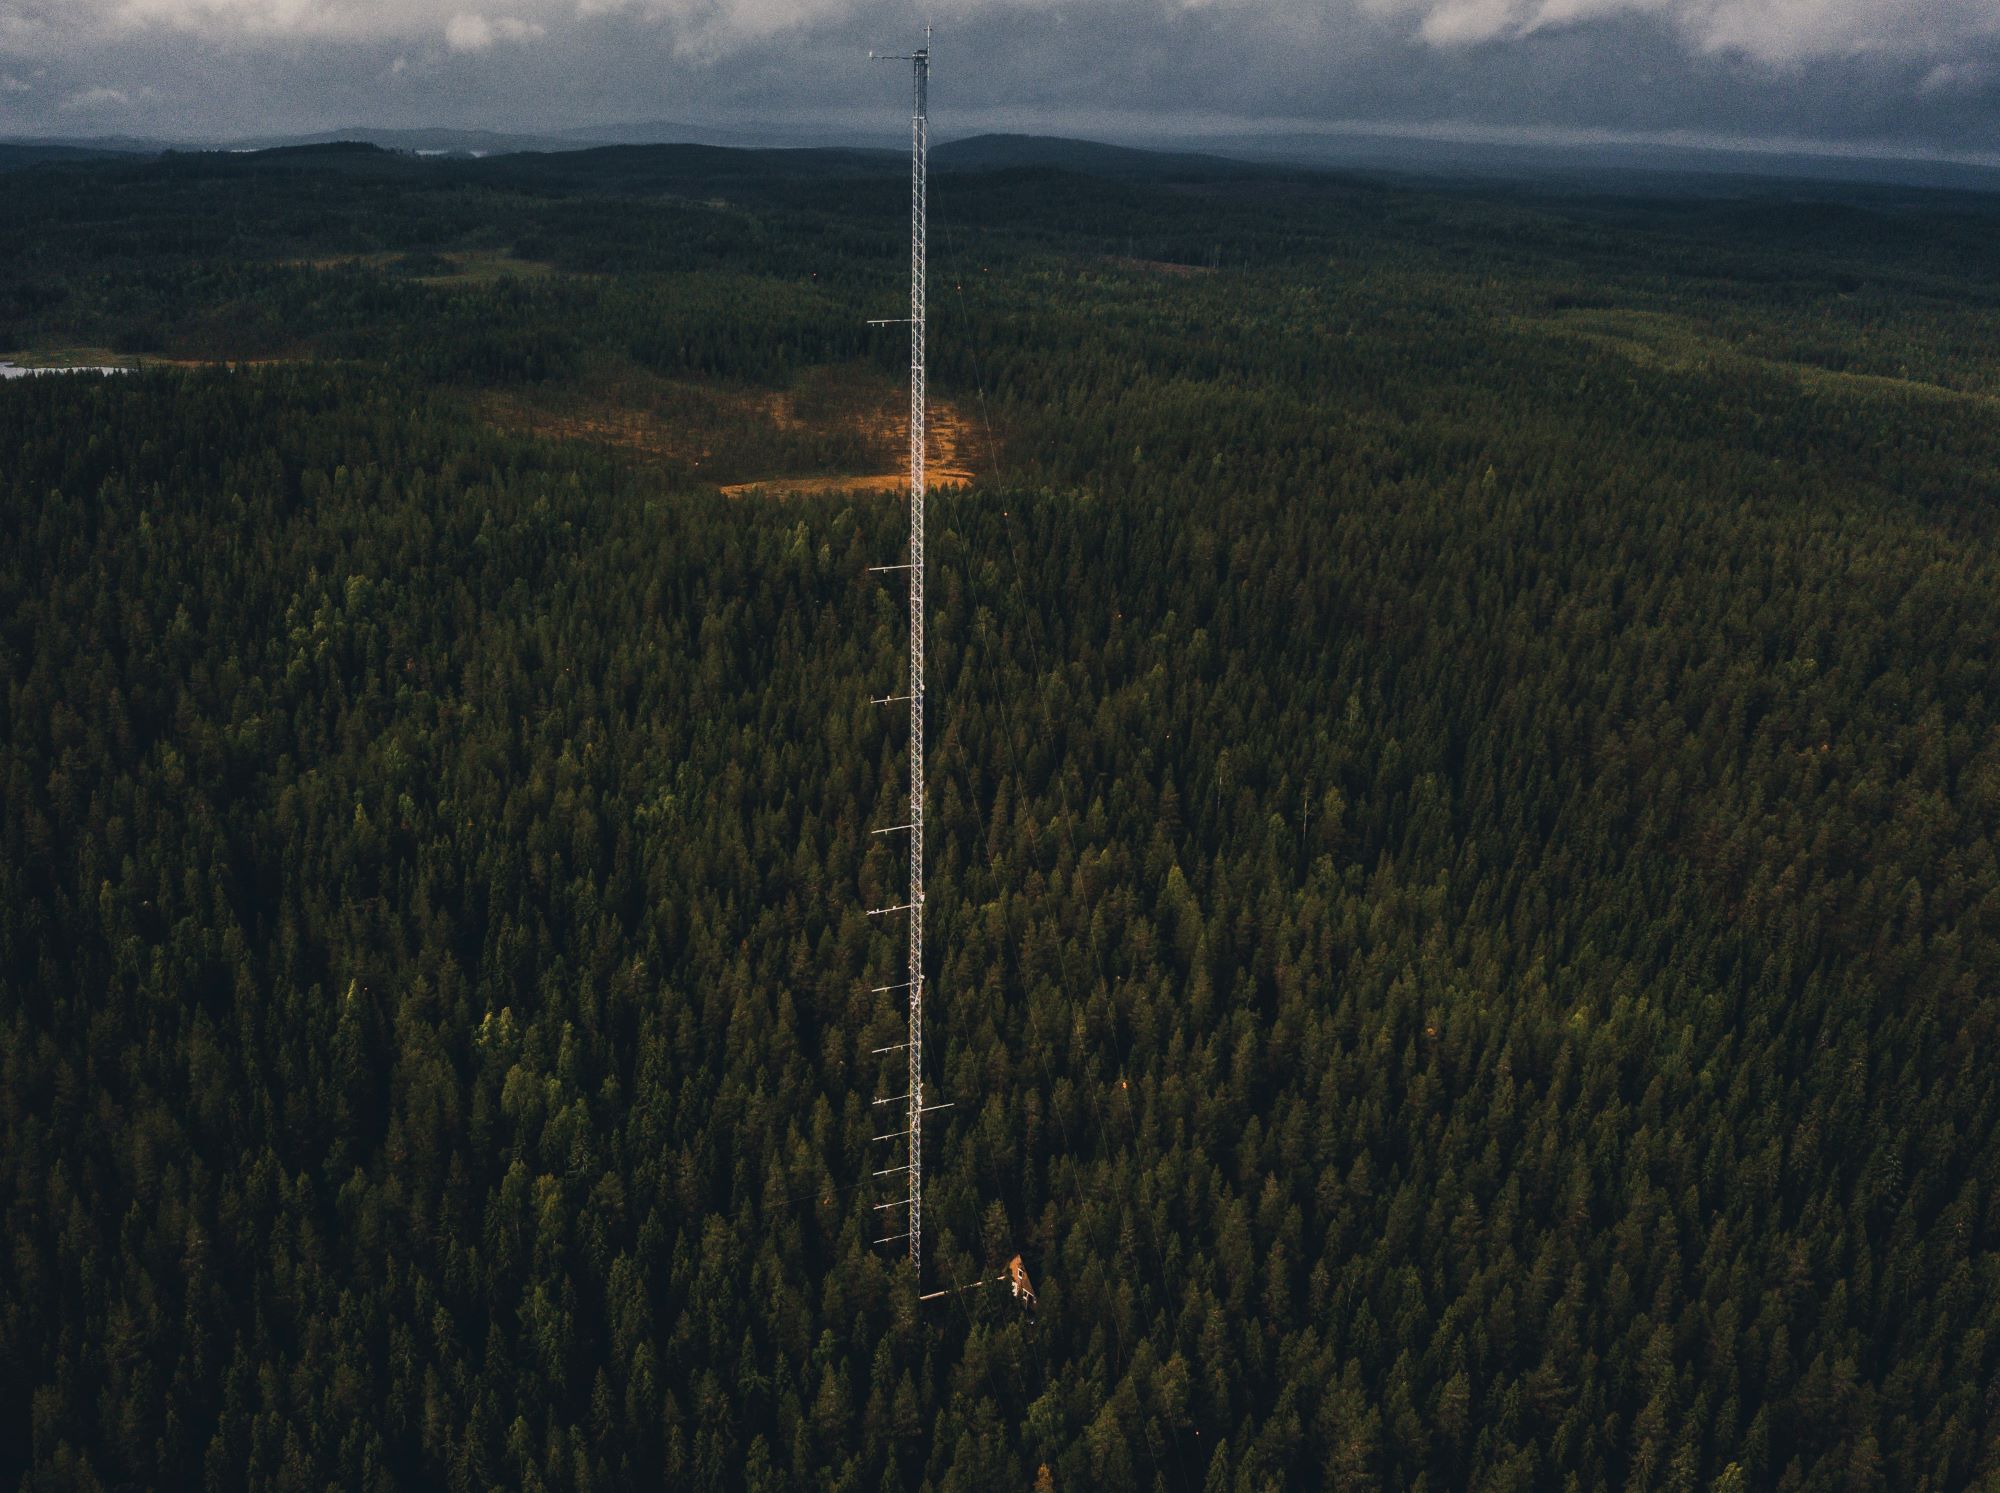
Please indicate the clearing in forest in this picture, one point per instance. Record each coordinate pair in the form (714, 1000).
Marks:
(464, 268)
(948, 461)
(836, 429)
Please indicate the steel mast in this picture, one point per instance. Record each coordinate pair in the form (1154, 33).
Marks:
(920, 72)
(913, 1134)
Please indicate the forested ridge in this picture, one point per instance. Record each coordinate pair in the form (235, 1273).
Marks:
(1465, 780)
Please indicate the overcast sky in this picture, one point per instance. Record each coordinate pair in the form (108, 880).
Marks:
(1915, 75)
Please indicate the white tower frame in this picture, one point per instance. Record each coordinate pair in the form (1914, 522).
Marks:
(920, 68)
(913, 1133)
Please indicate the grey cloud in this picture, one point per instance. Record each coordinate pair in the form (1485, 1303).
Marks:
(468, 32)
(1957, 77)
(1769, 30)
(101, 96)
(1906, 74)
(1774, 31)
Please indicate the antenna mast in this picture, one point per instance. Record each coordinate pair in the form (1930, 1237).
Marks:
(913, 1135)
(920, 72)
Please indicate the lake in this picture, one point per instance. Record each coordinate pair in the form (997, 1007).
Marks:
(15, 370)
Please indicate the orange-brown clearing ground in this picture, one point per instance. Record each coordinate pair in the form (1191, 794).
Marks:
(947, 460)
(837, 429)
(1159, 266)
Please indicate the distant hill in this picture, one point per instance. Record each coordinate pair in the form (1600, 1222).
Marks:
(680, 132)
(417, 142)
(1087, 157)
(355, 158)
(1681, 169)
(668, 153)
(15, 157)
(643, 168)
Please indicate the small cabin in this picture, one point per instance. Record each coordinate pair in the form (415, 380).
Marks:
(1017, 1276)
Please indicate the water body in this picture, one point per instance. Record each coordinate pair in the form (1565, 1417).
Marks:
(15, 370)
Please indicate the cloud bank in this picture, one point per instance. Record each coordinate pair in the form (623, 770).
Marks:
(1777, 31)
(1922, 72)
(1771, 31)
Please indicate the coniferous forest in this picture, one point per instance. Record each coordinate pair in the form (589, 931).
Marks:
(1465, 782)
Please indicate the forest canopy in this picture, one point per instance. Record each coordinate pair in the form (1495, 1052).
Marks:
(1465, 776)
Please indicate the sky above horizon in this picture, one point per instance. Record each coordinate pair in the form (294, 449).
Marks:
(1919, 76)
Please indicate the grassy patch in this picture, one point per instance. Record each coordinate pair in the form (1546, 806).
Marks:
(1675, 344)
(458, 267)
